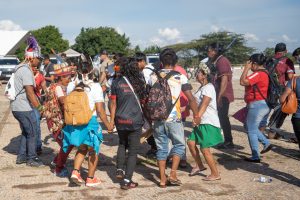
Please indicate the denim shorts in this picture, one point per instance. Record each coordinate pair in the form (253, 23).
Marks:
(165, 131)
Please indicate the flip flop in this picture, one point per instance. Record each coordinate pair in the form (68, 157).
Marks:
(195, 172)
(211, 178)
(172, 182)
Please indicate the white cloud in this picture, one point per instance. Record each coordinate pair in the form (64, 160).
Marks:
(8, 25)
(169, 33)
(251, 37)
(157, 41)
(287, 38)
(271, 40)
(119, 30)
(215, 28)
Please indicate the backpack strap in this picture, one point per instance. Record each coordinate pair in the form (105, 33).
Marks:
(137, 99)
(170, 74)
(23, 89)
(255, 86)
(276, 61)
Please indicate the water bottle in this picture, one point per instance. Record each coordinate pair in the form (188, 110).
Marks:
(263, 179)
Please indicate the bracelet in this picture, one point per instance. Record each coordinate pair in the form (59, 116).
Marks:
(39, 108)
(196, 116)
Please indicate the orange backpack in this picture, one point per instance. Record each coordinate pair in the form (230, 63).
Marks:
(77, 110)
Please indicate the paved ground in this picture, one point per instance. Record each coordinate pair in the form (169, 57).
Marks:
(282, 165)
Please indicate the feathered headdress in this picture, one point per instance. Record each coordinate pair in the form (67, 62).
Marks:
(33, 49)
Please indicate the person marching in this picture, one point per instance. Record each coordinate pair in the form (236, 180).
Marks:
(87, 136)
(208, 133)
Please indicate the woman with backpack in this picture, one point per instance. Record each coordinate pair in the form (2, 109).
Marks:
(296, 116)
(54, 115)
(87, 137)
(256, 91)
(126, 93)
(208, 133)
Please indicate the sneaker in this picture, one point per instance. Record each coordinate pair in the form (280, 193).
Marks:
(227, 145)
(20, 160)
(125, 185)
(92, 182)
(274, 136)
(76, 178)
(35, 162)
(252, 160)
(266, 149)
(62, 174)
(52, 164)
(120, 174)
(39, 151)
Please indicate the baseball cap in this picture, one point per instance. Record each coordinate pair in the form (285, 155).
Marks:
(280, 47)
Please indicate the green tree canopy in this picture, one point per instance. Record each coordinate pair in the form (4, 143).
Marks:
(152, 50)
(92, 40)
(238, 53)
(48, 38)
(269, 52)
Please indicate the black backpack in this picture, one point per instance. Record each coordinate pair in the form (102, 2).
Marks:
(159, 103)
(274, 89)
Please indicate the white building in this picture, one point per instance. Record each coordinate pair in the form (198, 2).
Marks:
(10, 41)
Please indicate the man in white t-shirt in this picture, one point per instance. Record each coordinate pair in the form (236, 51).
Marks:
(172, 128)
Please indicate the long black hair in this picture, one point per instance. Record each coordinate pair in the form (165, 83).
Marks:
(130, 70)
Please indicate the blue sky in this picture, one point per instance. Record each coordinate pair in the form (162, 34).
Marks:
(161, 22)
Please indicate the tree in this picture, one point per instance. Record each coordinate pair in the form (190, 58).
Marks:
(48, 38)
(269, 52)
(92, 40)
(137, 49)
(238, 53)
(152, 50)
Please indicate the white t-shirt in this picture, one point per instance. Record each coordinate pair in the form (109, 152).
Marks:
(59, 91)
(94, 93)
(147, 72)
(210, 116)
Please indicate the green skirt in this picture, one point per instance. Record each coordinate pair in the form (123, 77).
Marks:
(206, 135)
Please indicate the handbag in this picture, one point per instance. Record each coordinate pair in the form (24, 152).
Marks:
(147, 128)
(241, 115)
(290, 105)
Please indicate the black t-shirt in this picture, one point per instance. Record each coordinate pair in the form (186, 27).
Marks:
(128, 113)
(49, 70)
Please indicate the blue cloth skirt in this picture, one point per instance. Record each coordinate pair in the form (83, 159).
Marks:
(90, 135)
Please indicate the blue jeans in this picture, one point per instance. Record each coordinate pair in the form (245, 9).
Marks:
(38, 128)
(27, 121)
(165, 131)
(256, 112)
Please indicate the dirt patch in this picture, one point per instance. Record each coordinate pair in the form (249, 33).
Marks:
(38, 185)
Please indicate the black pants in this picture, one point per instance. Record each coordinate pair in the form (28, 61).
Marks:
(131, 141)
(152, 143)
(296, 126)
(224, 120)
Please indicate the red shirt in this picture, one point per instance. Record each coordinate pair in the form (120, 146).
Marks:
(39, 79)
(224, 69)
(183, 99)
(284, 67)
(261, 80)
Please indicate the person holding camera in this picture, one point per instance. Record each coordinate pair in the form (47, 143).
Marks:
(256, 91)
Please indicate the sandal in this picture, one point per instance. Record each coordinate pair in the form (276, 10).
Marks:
(171, 182)
(165, 184)
(196, 171)
(209, 178)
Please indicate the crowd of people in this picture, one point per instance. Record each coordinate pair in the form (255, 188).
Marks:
(143, 97)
